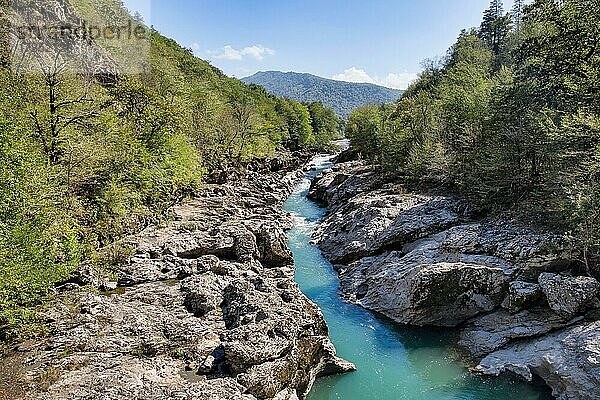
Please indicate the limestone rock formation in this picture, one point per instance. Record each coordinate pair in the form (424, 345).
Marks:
(206, 308)
(569, 295)
(425, 259)
(488, 333)
(522, 295)
(568, 361)
(412, 291)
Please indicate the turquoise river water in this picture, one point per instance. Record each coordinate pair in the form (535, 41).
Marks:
(394, 362)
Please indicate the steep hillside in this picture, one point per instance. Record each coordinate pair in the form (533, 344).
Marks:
(90, 153)
(342, 97)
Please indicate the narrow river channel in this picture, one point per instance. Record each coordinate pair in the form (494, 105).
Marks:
(394, 362)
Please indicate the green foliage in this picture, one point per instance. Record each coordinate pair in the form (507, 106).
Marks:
(38, 240)
(297, 122)
(84, 162)
(325, 124)
(516, 14)
(433, 130)
(508, 118)
(341, 97)
(579, 181)
(365, 129)
(559, 53)
(495, 26)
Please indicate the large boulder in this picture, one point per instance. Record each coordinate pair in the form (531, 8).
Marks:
(569, 295)
(444, 294)
(424, 217)
(352, 232)
(272, 247)
(344, 181)
(488, 333)
(522, 295)
(203, 293)
(422, 288)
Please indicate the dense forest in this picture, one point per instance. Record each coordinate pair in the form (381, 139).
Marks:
(509, 117)
(342, 97)
(86, 160)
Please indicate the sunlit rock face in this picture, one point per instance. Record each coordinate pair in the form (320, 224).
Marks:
(427, 259)
(82, 37)
(568, 361)
(206, 308)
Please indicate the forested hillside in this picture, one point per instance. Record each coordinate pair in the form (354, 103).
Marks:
(86, 158)
(342, 97)
(510, 118)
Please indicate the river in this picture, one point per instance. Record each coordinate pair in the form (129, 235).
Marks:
(394, 362)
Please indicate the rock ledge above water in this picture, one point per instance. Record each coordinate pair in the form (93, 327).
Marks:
(424, 259)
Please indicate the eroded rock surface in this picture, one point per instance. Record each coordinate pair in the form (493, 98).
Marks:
(569, 295)
(569, 361)
(522, 295)
(425, 259)
(206, 308)
(412, 291)
(490, 332)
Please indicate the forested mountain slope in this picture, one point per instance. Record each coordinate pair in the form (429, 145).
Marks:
(89, 155)
(342, 97)
(509, 118)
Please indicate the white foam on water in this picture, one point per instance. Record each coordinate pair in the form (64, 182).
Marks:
(303, 225)
(304, 185)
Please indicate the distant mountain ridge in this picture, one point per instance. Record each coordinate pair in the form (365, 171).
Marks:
(342, 97)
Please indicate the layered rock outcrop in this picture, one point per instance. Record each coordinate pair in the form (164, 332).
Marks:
(205, 308)
(425, 259)
(567, 360)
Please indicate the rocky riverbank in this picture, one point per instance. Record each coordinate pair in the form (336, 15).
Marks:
(516, 294)
(205, 308)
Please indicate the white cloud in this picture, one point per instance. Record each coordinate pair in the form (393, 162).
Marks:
(399, 80)
(354, 75)
(257, 52)
(227, 53)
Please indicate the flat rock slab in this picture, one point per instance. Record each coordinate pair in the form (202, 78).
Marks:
(489, 333)
(569, 361)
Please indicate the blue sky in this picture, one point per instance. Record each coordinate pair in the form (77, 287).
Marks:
(379, 41)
